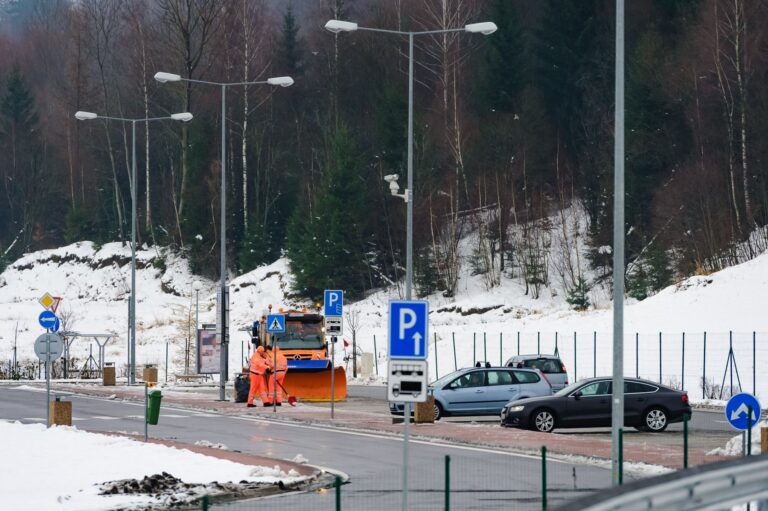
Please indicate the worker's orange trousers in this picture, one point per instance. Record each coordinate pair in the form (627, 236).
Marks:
(258, 388)
(277, 393)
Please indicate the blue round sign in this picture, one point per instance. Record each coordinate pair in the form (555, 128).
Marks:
(737, 411)
(49, 321)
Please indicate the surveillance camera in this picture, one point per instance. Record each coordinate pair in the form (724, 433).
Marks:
(391, 178)
(394, 187)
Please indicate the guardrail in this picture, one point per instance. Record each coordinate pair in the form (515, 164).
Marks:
(707, 487)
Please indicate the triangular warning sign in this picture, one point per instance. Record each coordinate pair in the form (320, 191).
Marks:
(276, 325)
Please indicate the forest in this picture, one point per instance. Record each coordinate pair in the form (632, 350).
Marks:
(511, 130)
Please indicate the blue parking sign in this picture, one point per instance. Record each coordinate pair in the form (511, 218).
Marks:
(408, 329)
(276, 323)
(334, 302)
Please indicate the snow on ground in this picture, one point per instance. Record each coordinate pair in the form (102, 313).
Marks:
(735, 446)
(62, 468)
(483, 323)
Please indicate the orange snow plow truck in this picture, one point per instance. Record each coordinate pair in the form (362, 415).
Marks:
(309, 363)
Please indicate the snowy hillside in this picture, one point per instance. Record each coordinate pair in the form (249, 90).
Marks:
(482, 323)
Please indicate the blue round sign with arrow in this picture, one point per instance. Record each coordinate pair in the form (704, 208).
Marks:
(49, 321)
(737, 411)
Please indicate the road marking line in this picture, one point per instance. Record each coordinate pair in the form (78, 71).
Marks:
(105, 417)
(171, 416)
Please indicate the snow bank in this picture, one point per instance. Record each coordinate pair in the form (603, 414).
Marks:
(735, 447)
(61, 468)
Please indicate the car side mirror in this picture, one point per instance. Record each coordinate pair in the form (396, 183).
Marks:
(577, 395)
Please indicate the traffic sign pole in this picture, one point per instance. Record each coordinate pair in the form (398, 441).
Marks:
(48, 382)
(333, 373)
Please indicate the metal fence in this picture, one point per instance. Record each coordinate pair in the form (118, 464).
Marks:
(710, 365)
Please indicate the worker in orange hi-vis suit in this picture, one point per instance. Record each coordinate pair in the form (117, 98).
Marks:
(281, 368)
(269, 384)
(257, 374)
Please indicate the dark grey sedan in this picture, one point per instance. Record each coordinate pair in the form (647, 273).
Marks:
(648, 406)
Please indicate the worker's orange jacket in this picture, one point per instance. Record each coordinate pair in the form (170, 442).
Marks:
(282, 362)
(258, 365)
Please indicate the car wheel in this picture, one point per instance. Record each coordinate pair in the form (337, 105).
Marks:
(655, 420)
(543, 420)
(438, 411)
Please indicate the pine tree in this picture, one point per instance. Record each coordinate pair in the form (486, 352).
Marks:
(659, 270)
(290, 52)
(504, 70)
(578, 296)
(328, 249)
(426, 277)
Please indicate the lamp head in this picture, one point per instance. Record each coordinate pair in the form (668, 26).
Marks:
(183, 117)
(197, 285)
(485, 28)
(85, 116)
(167, 77)
(337, 26)
(282, 81)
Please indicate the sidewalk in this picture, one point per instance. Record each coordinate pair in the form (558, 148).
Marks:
(486, 435)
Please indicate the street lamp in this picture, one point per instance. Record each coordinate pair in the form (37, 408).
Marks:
(337, 26)
(87, 116)
(222, 299)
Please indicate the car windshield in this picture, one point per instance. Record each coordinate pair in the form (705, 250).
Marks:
(300, 335)
(570, 388)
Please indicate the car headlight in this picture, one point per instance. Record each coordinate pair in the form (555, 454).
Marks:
(513, 409)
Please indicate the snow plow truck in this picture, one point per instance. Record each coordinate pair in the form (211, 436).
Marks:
(309, 363)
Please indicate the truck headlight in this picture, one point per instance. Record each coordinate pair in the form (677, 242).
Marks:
(513, 409)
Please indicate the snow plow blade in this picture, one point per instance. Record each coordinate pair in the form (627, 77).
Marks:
(314, 385)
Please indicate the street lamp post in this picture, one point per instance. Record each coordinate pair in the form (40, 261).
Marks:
(197, 286)
(87, 116)
(222, 317)
(337, 26)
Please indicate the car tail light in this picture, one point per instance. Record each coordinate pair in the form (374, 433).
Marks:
(684, 397)
(562, 366)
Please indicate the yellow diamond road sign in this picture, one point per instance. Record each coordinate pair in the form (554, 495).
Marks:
(47, 300)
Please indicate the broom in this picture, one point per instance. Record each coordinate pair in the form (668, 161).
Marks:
(291, 399)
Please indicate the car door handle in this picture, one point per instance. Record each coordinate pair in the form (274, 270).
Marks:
(511, 389)
(478, 391)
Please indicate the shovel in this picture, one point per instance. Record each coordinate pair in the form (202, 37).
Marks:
(291, 399)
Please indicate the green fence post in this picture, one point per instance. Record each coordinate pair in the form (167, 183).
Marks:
(544, 478)
(205, 502)
(621, 456)
(453, 338)
(485, 348)
(375, 355)
(447, 482)
(749, 431)
(685, 440)
(337, 485)
(501, 349)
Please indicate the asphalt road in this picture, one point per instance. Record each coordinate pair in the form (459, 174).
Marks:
(480, 478)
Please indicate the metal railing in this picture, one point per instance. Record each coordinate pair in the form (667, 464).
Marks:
(716, 486)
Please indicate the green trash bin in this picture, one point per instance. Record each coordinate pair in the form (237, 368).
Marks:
(153, 411)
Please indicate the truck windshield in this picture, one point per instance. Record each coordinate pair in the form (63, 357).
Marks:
(300, 335)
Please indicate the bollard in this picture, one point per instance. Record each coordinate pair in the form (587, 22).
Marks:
(447, 482)
(764, 440)
(109, 374)
(544, 478)
(424, 413)
(149, 375)
(60, 412)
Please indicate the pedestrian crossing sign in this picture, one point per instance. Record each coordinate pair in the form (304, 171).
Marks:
(276, 323)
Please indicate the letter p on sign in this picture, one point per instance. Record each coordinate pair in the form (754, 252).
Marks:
(406, 324)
